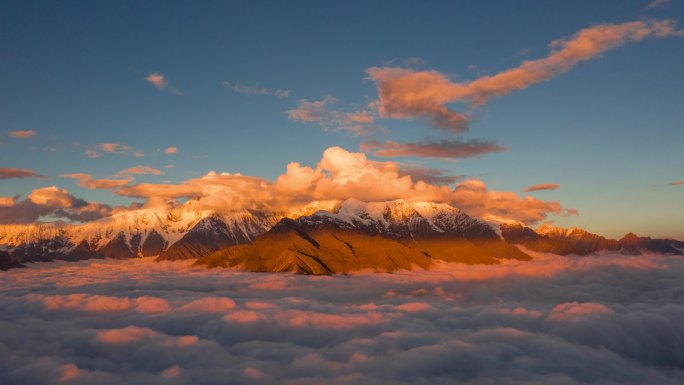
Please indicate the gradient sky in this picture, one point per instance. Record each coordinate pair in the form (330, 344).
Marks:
(609, 131)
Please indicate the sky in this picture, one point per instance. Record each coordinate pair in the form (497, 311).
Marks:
(577, 102)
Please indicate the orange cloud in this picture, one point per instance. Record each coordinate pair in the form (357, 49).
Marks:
(22, 134)
(159, 80)
(15, 173)
(405, 93)
(171, 150)
(125, 335)
(542, 186)
(87, 181)
(443, 149)
(677, 183)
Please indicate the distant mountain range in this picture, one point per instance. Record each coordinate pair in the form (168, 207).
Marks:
(353, 235)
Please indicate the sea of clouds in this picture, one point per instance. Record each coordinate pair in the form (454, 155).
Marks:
(608, 319)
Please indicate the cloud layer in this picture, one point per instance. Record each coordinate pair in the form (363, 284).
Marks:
(563, 320)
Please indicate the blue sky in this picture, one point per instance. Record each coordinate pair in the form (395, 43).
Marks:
(609, 131)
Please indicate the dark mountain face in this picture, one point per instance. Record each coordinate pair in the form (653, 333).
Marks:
(561, 241)
(383, 237)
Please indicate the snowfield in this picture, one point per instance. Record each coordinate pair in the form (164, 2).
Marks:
(607, 319)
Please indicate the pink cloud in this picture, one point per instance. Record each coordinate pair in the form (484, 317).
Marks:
(22, 134)
(405, 93)
(542, 186)
(171, 150)
(413, 307)
(159, 81)
(300, 318)
(245, 316)
(677, 183)
(140, 170)
(69, 372)
(359, 122)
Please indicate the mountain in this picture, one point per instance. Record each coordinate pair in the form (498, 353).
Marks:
(558, 240)
(380, 236)
(178, 233)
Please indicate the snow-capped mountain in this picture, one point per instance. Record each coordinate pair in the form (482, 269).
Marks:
(170, 234)
(381, 236)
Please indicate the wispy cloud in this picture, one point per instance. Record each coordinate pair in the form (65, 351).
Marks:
(101, 149)
(359, 122)
(159, 80)
(251, 90)
(428, 175)
(16, 173)
(442, 149)
(677, 183)
(406, 93)
(542, 186)
(659, 4)
(171, 150)
(140, 170)
(22, 134)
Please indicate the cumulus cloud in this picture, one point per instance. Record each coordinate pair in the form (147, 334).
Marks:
(567, 320)
(159, 81)
(407, 93)
(359, 122)
(51, 202)
(171, 150)
(340, 175)
(250, 90)
(15, 173)
(542, 186)
(442, 149)
(22, 134)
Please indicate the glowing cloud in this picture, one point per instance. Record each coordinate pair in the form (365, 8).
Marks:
(140, 170)
(405, 93)
(171, 150)
(159, 80)
(22, 134)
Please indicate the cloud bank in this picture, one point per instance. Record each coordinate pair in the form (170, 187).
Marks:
(563, 320)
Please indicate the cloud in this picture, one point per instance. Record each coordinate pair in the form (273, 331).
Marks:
(359, 122)
(140, 170)
(677, 183)
(659, 4)
(407, 94)
(159, 80)
(340, 175)
(249, 90)
(51, 202)
(101, 149)
(428, 175)
(87, 181)
(171, 150)
(611, 318)
(443, 149)
(22, 134)
(542, 186)
(15, 173)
